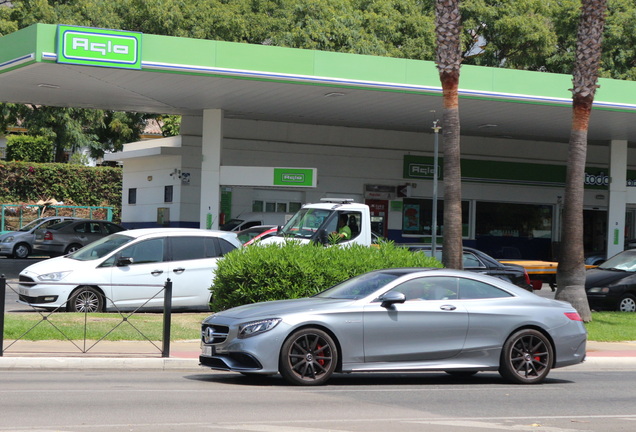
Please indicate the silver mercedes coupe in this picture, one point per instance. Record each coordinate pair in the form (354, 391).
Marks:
(397, 320)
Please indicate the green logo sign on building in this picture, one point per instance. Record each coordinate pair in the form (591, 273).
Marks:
(98, 47)
(304, 177)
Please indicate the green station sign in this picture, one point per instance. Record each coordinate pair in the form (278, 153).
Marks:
(300, 177)
(98, 47)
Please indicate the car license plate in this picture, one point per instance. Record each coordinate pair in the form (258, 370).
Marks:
(208, 351)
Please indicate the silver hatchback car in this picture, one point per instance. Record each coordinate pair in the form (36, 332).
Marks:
(19, 244)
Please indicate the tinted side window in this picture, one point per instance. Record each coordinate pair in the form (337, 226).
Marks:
(471, 289)
(81, 228)
(187, 248)
(225, 246)
(147, 251)
(429, 288)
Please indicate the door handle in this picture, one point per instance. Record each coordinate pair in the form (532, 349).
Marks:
(448, 307)
(156, 272)
(178, 270)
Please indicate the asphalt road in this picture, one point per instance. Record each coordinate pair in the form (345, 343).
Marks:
(200, 400)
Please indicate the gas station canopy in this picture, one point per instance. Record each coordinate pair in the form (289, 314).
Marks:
(80, 67)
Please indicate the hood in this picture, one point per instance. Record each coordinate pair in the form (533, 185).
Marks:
(280, 240)
(2, 233)
(58, 264)
(597, 277)
(280, 307)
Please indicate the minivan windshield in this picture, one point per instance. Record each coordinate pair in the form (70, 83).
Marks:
(101, 247)
(305, 223)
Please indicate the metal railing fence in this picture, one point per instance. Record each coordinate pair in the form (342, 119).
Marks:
(124, 319)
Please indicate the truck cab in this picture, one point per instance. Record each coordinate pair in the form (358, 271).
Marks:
(314, 223)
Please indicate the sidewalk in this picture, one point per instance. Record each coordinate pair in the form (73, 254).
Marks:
(185, 355)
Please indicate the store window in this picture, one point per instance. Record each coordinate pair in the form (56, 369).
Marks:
(514, 231)
(513, 220)
(417, 217)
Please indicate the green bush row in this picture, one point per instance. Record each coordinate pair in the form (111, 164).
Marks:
(26, 182)
(291, 270)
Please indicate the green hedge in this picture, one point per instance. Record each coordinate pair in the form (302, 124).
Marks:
(27, 182)
(274, 272)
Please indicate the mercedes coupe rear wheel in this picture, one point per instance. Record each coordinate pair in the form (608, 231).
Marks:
(85, 299)
(526, 357)
(627, 303)
(308, 357)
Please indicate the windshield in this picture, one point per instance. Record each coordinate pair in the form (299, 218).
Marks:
(31, 225)
(359, 287)
(305, 223)
(101, 247)
(231, 224)
(625, 261)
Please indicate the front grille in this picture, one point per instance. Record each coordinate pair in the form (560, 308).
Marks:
(214, 334)
(25, 280)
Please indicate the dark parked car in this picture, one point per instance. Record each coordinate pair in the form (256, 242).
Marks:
(479, 262)
(68, 236)
(612, 285)
(19, 244)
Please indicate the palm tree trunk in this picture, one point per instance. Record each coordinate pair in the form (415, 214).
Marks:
(571, 269)
(449, 57)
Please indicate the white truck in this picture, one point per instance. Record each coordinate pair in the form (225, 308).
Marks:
(314, 223)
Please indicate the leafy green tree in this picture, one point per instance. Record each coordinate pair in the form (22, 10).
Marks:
(29, 148)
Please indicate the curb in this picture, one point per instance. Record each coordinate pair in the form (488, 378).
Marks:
(47, 363)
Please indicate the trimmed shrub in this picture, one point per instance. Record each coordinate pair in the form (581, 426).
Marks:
(291, 270)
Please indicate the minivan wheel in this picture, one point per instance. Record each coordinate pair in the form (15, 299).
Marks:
(85, 299)
(21, 250)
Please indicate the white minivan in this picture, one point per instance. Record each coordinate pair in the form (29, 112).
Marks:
(128, 270)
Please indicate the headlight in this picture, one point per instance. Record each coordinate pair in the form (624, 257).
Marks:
(257, 327)
(598, 290)
(8, 239)
(55, 276)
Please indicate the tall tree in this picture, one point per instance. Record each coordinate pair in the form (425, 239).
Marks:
(449, 58)
(571, 269)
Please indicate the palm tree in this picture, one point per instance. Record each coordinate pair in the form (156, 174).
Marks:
(449, 58)
(571, 269)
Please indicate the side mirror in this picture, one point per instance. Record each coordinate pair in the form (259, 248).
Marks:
(391, 298)
(124, 261)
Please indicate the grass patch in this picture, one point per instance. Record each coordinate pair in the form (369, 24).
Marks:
(605, 326)
(612, 327)
(109, 326)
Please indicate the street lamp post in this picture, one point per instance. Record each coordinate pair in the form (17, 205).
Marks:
(436, 130)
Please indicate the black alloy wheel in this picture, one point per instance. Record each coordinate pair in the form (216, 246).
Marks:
(526, 358)
(86, 300)
(308, 357)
